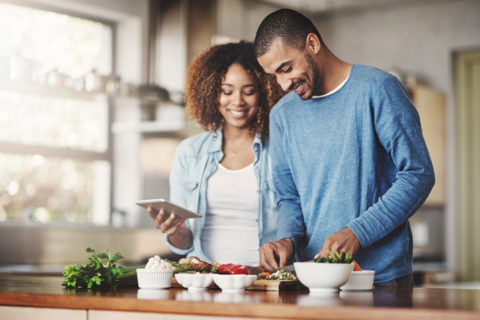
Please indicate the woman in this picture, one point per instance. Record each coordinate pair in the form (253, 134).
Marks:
(224, 174)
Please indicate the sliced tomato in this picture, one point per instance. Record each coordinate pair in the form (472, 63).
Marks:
(230, 268)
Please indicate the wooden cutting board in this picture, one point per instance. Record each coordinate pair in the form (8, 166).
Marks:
(276, 285)
(260, 285)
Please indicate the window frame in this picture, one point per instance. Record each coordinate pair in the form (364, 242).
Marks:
(75, 154)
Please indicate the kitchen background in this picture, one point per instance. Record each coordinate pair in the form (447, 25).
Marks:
(91, 112)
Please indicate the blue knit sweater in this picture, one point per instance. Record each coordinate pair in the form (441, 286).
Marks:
(357, 159)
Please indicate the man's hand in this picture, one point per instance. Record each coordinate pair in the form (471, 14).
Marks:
(275, 254)
(343, 240)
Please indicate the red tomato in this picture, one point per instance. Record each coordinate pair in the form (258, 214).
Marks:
(230, 268)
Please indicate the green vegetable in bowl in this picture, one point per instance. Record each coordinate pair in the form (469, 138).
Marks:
(336, 257)
(100, 272)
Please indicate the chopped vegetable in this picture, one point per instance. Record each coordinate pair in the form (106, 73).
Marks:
(279, 274)
(192, 265)
(356, 267)
(231, 268)
(336, 257)
(180, 268)
(100, 272)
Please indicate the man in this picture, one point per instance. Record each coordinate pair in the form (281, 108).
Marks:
(350, 164)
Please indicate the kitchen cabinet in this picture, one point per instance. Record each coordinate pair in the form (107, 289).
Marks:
(15, 313)
(430, 105)
(117, 315)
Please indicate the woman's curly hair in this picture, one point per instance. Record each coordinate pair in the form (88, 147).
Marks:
(204, 80)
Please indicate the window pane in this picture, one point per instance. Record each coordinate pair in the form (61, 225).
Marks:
(69, 45)
(53, 122)
(39, 189)
(53, 69)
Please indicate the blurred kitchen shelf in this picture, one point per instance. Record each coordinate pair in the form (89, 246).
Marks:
(30, 88)
(148, 126)
(429, 266)
(29, 269)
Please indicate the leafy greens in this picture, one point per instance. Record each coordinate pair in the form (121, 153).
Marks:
(100, 272)
(336, 257)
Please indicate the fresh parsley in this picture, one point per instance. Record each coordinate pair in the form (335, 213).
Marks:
(100, 272)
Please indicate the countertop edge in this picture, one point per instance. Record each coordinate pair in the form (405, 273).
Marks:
(227, 309)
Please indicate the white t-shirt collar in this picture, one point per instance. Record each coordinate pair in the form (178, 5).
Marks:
(333, 91)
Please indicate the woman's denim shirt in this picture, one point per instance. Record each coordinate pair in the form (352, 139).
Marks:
(196, 159)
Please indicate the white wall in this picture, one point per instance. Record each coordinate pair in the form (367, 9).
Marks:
(171, 46)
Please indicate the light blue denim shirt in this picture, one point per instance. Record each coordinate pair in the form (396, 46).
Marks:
(196, 160)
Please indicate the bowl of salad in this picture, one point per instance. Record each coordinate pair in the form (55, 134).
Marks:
(325, 275)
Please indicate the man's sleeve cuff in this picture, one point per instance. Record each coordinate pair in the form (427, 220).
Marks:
(360, 233)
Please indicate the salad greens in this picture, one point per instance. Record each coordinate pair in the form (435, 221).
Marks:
(100, 272)
(336, 257)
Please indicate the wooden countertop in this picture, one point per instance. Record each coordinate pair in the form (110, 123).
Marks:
(416, 303)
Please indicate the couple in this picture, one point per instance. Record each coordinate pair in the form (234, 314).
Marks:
(349, 164)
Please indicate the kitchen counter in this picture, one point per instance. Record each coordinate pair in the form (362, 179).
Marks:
(418, 303)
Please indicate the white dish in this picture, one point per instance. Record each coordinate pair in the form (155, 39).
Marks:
(359, 280)
(233, 282)
(194, 281)
(154, 279)
(323, 277)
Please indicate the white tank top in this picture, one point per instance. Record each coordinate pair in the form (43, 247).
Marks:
(230, 233)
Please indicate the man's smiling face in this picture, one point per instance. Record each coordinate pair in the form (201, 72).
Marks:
(294, 69)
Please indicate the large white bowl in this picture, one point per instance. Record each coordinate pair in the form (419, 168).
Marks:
(194, 281)
(323, 277)
(154, 279)
(360, 280)
(233, 282)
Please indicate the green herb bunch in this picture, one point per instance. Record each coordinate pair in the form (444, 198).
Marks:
(336, 257)
(100, 272)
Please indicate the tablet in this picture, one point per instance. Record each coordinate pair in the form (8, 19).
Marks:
(168, 207)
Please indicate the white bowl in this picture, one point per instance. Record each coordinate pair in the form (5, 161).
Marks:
(194, 281)
(323, 277)
(233, 282)
(154, 279)
(360, 280)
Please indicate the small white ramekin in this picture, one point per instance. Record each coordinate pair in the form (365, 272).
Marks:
(154, 279)
(359, 280)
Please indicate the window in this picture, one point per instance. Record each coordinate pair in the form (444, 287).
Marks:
(55, 149)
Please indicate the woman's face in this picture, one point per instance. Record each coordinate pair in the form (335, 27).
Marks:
(238, 98)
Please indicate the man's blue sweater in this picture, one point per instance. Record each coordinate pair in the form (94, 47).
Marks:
(357, 159)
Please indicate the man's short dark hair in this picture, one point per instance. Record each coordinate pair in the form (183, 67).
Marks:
(289, 25)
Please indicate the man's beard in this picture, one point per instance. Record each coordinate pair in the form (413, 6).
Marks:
(316, 76)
